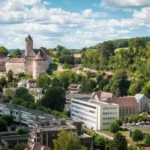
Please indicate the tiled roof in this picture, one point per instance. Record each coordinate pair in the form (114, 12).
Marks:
(37, 147)
(128, 101)
(109, 73)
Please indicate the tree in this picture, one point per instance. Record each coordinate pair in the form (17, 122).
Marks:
(3, 82)
(10, 76)
(21, 131)
(43, 81)
(23, 94)
(54, 98)
(3, 50)
(114, 127)
(19, 147)
(3, 125)
(67, 141)
(8, 119)
(119, 121)
(98, 141)
(16, 53)
(147, 140)
(137, 135)
(120, 141)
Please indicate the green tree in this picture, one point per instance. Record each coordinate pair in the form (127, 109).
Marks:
(147, 140)
(3, 125)
(43, 81)
(3, 81)
(114, 127)
(23, 94)
(10, 76)
(55, 81)
(8, 119)
(19, 147)
(16, 53)
(120, 141)
(67, 141)
(98, 141)
(54, 98)
(3, 50)
(21, 131)
(137, 135)
(119, 121)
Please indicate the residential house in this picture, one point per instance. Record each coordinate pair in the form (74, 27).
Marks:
(143, 102)
(92, 71)
(31, 84)
(127, 106)
(95, 115)
(108, 75)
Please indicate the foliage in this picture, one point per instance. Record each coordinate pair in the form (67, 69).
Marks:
(68, 141)
(3, 82)
(114, 127)
(3, 125)
(19, 147)
(10, 76)
(67, 66)
(43, 81)
(16, 53)
(120, 141)
(3, 50)
(54, 98)
(21, 131)
(147, 140)
(8, 119)
(23, 94)
(119, 121)
(137, 135)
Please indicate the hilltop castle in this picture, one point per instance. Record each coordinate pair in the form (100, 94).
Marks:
(34, 61)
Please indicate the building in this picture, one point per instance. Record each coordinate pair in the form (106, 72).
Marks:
(94, 114)
(37, 147)
(143, 102)
(31, 84)
(127, 106)
(92, 71)
(34, 62)
(44, 132)
(102, 96)
(108, 75)
(74, 88)
(22, 114)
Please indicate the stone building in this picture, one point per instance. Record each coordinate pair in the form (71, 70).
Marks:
(34, 61)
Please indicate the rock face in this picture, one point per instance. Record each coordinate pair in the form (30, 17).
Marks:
(34, 61)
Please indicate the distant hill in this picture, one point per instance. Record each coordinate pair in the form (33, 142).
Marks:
(11, 50)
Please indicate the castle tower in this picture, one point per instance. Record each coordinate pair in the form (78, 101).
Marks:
(28, 45)
(38, 65)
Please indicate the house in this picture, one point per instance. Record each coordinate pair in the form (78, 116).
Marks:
(143, 102)
(102, 96)
(95, 115)
(21, 83)
(44, 132)
(37, 146)
(31, 84)
(92, 71)
(127, 106)
(74, 88)
(108, 75)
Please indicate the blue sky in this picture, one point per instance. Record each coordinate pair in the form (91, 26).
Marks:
(71, 23)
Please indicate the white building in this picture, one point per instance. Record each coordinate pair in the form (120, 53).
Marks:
(143, 102)
(94, 114)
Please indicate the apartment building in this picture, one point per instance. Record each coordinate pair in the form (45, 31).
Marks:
(96, 115)
(44, 132)
(22, 114)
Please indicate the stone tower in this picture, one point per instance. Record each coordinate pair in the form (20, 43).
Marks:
(28, 46)
(38, 65)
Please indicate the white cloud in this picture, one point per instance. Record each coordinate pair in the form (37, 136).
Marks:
(125, 3)
(46, 3)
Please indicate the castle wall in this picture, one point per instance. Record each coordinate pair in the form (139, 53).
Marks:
(15, 67)
(29, 66)
(39, 67)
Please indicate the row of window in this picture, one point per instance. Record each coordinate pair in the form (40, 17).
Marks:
(109, 113)
(110, 118)
(106, 123)
(109, 108)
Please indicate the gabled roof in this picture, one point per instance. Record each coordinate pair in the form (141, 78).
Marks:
(39, 56)
(128, 101)
(109, 73)
(138, 96)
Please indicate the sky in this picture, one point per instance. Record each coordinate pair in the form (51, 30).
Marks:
(71, 23)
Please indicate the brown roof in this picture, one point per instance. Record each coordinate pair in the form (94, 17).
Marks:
(109, 73)
(128, 101)
(17, 60)
(74, 87)
(28, 38)
(37, 147)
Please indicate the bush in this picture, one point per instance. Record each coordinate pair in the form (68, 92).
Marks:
(67, 66)
(114, 127)
(21, 131)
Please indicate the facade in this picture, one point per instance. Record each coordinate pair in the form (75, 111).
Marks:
(94, 114)
(143, 102)
(74, 88)
(35, 61)
(31, 84)
(127, 106)
(44, 132)
(22, 114)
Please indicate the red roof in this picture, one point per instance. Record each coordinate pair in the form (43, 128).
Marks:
(109, 73)
(128, 101)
